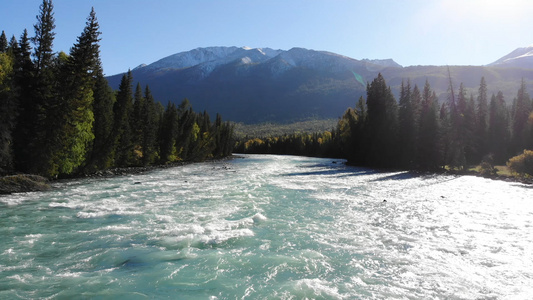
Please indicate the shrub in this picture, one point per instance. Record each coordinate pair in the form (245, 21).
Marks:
(522, 164)
(487, 166)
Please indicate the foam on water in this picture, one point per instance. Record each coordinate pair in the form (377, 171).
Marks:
(269, 227)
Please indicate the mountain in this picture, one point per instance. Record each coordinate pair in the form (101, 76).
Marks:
(256, 85)
(519, 58)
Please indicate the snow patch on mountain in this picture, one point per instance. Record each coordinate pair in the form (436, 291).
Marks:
(203, 61)
(520, 58)
(140, 66)
(213, 56)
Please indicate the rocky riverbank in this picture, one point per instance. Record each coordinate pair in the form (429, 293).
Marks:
(23, 183)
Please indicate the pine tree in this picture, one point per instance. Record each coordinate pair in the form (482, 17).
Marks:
(498, 130)
(150, 125)
(44, 36)
(187, 131)
(382, 124)
(482, 119)
(122, 134)
(43, 112)
(470, 124)
(167, 135)
(137, 122)
(101, 154)
(3, 42)
(429, 146)
(24, 133)
(409, 114)
(75, 103)
(520, 115)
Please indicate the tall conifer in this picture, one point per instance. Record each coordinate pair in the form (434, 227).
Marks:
(482, 119)
(122, 134)
(43, 113)
(382, 124)
(3, 42)
(520, 116)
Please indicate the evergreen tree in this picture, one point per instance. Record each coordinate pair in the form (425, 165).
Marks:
(150, 123)
(3, 42)
(470, 125)
(101, 154)
(382, 120)
(445, 130)
(429, 147)
(44, 37)
(349, 139)
(223, 138)
(409, 114)
(521, 111)
(136, 123)
(7, 111)
(498, 129)
(13, 47)
(167, 135)
(24, 133)
(74, 108)
(43, 113)
(187, 131)
(122, 134)
(482, 119)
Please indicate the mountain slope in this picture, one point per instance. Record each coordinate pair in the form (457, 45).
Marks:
(258, 85)
(265, 85)
(519, 58)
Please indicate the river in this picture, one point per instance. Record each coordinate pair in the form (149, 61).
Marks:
(269, 227)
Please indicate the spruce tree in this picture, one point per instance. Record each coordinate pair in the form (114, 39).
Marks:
(43, 113)
(429, 147)
(150, 125)
(24, 133)
(137, 123)
(470, 125)
(498, 130)
(520, 116)
(122, 134)
(44, 36)
(167, 134)
(382, 123)
(101, 154)
(3, 42)
(482, 119)
(76, 100)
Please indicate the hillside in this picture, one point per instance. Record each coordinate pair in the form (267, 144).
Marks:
(266, 85)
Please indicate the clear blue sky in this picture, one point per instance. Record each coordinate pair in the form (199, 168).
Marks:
(412, 32)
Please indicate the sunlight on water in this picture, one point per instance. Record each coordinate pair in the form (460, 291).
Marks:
(266, 227)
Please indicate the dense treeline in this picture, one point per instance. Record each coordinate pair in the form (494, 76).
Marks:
(58, 115)
(418, 132)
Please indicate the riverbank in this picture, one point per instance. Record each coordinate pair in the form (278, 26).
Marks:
(22, 183)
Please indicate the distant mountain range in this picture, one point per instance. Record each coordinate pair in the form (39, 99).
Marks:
(255, 85)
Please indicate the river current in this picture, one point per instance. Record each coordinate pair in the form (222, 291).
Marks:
(269, 227)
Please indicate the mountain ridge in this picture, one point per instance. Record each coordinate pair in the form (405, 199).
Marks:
(254, 85)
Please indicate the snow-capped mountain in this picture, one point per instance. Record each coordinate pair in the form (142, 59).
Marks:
(212, 57)
(519, 58)
(254, 85)
(207, 59)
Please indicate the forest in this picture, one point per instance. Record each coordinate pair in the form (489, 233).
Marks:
(59, 117)
(420, 133)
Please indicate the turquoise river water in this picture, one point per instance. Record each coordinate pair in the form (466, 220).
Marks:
(269, 227)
